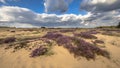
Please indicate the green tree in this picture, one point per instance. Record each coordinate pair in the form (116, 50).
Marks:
(118, 26)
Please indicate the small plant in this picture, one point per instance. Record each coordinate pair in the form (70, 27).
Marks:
(77, 46)
(88, 50)
(63, 40)
(51, 35)
(86, 35)
(64, 31)
(8, 40)
(13, 31)
(38, 51)
(20, 45)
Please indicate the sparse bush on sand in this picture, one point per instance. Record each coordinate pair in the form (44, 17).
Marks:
(8, 40)
(77, 46)
(86, 35)
(39, 51)
(88, 50)
(67, 30)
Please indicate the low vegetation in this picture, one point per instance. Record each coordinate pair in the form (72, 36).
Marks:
(79, 47)
(87, 35)
(40, 45)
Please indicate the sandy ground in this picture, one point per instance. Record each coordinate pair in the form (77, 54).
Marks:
(62, 58)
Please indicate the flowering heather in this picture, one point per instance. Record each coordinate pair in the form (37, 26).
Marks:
(88, 50)
(59, 38)
(86, 35)
(92, 32)
(63, 40)
(9, 40)
(51, 35)
(77, 46)
(38, 51)
(64, 31)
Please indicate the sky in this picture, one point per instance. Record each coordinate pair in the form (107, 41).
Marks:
(59, 13)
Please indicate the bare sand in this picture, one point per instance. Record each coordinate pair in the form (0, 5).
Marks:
(62, 58)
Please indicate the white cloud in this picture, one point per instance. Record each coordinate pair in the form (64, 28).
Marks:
(102, 12)
(104, 18)
(16, 15)
(100, 5)
(3, 1)
(23, 17)
(59, 6)
(12, 13)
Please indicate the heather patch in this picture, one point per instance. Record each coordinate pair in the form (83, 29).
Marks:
(78, 47)
(86, 35)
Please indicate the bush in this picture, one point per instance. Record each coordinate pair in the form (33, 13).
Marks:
(7, 40)
(52, 35)
(67, 30)
(88, 50)
(118, 26)
(86, 35)
(38, 51)
(63, 40)
(77, 46)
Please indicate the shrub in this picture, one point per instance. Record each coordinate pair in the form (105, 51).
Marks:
(64, 31)
(38, 51)
(51, 35)
(43, 27)
(86, 35)
(21, 44)
(88, 50)
(93, 32)
(9, 40)
(77, 46)
(118, 26)
(63, 40)
(13, 31)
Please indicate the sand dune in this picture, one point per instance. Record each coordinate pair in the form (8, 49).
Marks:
(62, 58)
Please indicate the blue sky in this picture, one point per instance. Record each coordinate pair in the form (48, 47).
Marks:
(38, 6)
(59, 13)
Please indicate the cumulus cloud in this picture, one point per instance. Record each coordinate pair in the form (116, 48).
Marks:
(59, 6)
(5, 1)
(14, 16)
(23, 17)
(11, 13)
(2, 1)
(103, 19)
(102, 12)
(100, 5)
